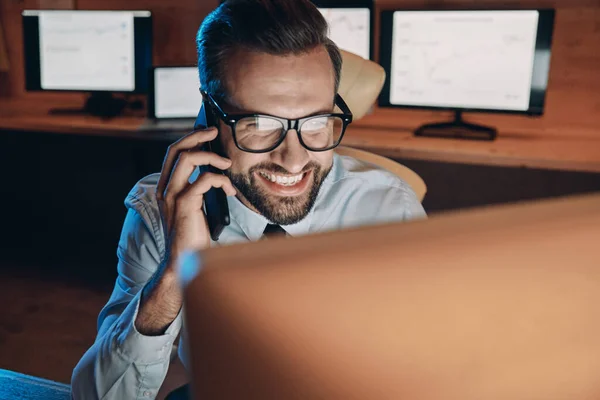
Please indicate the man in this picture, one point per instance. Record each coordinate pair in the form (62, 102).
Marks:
(255, 57)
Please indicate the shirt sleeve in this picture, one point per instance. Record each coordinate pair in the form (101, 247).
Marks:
(122, 363)
(395, 204)
(411, 206)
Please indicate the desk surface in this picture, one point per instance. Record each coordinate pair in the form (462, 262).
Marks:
(386, 132)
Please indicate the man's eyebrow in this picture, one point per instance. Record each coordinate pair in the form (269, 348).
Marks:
(324, 111)
(320, 112)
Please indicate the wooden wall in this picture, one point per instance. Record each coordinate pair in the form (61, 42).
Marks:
(574, 93)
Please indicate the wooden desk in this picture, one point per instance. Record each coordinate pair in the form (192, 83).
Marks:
(19, 116)
(387, 132)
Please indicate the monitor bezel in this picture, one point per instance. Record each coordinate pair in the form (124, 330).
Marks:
(544, 38)
(142, 25)
(368, 4)
(151, 100)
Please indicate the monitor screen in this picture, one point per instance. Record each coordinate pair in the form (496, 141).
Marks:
(87, 50)
(350, 29)
(175, 93)
(476, 60)
(472, 305)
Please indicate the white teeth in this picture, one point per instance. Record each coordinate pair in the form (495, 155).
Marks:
(283, 180)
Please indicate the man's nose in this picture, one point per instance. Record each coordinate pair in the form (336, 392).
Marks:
(290, 154)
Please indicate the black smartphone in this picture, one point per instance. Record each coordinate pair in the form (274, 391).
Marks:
(215, 200)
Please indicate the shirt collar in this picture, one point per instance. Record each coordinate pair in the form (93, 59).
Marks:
(253, 224)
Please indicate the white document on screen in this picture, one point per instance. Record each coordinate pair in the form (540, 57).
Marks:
(350, 29)
(87, 51)
(176, 92)
(463, 59)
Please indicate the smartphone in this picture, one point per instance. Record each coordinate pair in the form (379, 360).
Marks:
(215, 200)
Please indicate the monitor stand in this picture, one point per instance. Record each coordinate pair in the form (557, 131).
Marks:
(457, 129)
(99, 104)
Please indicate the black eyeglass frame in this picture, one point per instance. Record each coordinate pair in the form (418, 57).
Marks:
(232, 119)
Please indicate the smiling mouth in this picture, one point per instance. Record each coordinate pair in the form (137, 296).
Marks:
(284, 180)
(285, 185)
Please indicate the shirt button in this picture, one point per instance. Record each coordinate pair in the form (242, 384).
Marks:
(147, 393)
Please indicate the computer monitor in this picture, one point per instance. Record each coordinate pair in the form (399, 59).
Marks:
(466, 60)
(101, 52)
(350, 24)
(497, 303)
(174, 93)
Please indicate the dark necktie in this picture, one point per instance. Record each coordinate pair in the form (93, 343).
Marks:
(273, 231)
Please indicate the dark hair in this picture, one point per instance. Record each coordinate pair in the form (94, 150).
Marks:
(277, 27)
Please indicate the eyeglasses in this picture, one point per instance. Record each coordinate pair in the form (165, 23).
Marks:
(258, 133)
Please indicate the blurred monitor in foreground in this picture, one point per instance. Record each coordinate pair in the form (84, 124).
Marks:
(498, 303)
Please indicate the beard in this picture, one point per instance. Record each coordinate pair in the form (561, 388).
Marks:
(280, 210)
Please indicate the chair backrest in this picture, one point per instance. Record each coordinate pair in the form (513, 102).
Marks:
(406, 174)
(360, 83)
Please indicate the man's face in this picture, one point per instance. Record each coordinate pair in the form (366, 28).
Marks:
(282, 185)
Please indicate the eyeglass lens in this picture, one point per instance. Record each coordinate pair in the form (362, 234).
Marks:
(260, 133)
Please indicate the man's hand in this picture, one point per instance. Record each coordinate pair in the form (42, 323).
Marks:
(184, 223)
(181, 203)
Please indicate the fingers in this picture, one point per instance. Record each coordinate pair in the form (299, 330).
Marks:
(189, 201)
(184, 167)
(188, 142)
(189, 228)
(193, 194)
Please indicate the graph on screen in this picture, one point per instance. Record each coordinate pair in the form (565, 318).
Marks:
(350, 29)
(176, 92)
(87, 50)
(463, 59)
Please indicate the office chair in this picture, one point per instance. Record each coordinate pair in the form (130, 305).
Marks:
(360, 85)
(406, 174)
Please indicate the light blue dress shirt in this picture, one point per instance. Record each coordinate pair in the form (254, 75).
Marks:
(124, 364)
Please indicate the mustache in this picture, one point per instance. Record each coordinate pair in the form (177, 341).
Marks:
(278, 169)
